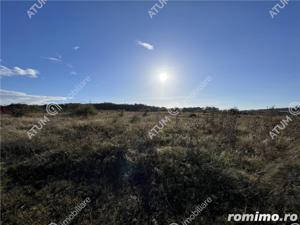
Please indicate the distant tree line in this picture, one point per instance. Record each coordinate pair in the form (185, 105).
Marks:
(23, 109)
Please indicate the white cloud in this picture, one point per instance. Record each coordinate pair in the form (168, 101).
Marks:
(76, 48)
(17, 71)
(54, 59)
(73, 73)
(9, 97)
(145, 45)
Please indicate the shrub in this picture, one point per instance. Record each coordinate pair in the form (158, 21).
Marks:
(233, 111)
(193, 115)
(145, 113)
(121, 114)
(85, 110)
(19, 112)
(134, 119)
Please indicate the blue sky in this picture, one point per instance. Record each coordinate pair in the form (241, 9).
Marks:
(252, 59)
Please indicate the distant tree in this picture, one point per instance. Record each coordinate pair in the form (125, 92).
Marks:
(211, 109)
(233, 111)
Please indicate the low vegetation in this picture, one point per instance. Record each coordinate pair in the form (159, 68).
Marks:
(107, 155)
(84, 110)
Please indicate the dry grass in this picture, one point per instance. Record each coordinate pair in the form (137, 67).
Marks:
(132, 179)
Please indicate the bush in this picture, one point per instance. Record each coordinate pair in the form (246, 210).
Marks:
(19, 112)
(145, 113)
(134, 119)
(193, 115)
(233, 111)
(85, 110)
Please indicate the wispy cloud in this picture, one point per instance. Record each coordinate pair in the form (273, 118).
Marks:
(59, 60)
(12, 97)
(145, 45)
(54, 59)
(76, 48)
(17, 71)
(69, 65)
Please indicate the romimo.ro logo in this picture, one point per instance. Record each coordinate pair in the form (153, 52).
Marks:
(266, 217)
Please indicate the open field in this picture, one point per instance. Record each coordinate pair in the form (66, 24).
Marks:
(150, 112)
(132, 179)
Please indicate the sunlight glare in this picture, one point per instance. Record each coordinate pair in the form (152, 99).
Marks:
(163, 77)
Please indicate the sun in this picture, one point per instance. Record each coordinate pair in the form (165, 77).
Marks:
(163, 77)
